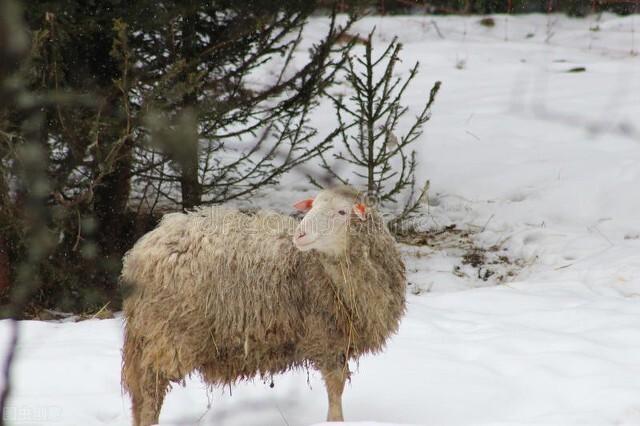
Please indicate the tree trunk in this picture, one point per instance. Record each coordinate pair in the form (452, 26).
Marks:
(5, 268)
(189, 182)
(110, 201)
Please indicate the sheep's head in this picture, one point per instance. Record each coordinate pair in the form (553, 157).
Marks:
(328, 217)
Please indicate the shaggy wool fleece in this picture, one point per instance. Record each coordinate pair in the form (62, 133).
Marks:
(228, 295)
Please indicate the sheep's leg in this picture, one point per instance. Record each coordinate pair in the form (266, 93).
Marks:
(135, 407)
(154, 388)
(132, 373)
(334, 380)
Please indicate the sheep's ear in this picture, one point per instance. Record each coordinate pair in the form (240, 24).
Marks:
(304, 205)
(360, 210)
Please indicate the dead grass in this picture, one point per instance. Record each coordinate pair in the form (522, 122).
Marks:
(488, 263)
(488, 22)
(53, 315)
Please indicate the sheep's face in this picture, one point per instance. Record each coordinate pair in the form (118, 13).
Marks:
(326, 223)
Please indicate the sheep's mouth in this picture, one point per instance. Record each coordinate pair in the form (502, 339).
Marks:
(303, 245)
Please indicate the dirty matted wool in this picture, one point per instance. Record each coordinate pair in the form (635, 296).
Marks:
(228, 295)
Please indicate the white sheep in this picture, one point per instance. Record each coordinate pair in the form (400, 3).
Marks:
(233, 296)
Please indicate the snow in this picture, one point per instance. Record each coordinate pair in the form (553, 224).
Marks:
(529, 158)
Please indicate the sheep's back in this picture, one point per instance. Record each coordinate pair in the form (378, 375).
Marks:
(189, 252)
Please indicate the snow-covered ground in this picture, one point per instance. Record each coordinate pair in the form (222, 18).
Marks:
(542, 165)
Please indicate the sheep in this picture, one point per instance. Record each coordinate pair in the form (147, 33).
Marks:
(233, 296)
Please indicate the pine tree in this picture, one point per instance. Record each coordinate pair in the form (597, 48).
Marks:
(145, 101)
(198, 62)
(382, 162)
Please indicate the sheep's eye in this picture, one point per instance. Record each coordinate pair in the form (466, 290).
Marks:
(342, 212)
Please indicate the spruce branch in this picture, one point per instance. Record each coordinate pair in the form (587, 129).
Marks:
(369, 120)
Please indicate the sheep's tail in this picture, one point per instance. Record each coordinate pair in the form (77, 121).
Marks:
(131, 357)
